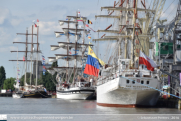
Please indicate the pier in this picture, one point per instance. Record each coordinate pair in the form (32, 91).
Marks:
(168, 103)
(8, 94)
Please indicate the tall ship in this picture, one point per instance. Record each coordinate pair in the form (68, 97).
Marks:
(130, 78)
(29, 90)
(71, 82)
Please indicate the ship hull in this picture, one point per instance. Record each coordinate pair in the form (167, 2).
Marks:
(128, 98)
(17, 95)
(75, 94)
(116, 93)
(39, 94)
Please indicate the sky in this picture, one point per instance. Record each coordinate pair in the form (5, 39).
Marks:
(18, 15)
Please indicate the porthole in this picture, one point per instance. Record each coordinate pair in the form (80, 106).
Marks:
(142, 82)
(133, 81)
(127, 81)
(148, 82)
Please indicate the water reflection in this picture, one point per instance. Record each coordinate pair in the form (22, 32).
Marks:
(59, 106)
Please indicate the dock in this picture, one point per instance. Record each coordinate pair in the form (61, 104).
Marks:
(5, 94)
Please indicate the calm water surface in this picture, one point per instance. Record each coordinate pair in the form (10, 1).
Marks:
(9, 105)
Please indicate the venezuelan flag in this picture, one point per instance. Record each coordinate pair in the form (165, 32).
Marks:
(92, 66)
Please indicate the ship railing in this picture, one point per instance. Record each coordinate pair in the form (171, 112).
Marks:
(103, 80)
(81, 84)
(108, 78)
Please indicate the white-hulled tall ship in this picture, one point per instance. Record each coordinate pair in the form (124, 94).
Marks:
(80, 88)
(125, 82)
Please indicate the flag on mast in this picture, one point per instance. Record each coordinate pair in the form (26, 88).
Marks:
(92, 65)
(89, 22)
(23, 58)
(148, 62)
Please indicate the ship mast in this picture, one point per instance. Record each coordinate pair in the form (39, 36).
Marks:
(133, 27)
(75, 66)
(68, 45)
(37, 57)
(17, 65)
(31, 56)
(26, 56)
(83, 51)
(26, 50)
(68, 40)
(133, 34)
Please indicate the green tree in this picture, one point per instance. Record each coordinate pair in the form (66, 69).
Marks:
(47, 81)
(8, 83)
(27, 79)
(2, 76)
(54, 64)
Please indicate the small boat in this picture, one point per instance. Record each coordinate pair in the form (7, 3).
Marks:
(80, 91)
(35, 93)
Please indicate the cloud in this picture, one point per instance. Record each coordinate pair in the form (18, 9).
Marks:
(3, 15)
(48, 28)
(42, 42)
(4, 49)
(17, 39)
(9, 20)
(32, 15)
(8, 49)
(5, 37)
(12, 48)
(15, 22)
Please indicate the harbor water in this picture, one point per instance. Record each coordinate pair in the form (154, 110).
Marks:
(74, 109)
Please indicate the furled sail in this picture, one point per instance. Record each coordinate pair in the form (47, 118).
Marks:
(52, 59)
(54, 47)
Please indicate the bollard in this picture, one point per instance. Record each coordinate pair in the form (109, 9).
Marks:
(179, 104)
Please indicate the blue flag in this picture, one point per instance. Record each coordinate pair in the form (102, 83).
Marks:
(44, 70)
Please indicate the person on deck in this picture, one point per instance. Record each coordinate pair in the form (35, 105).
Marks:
(90, 83)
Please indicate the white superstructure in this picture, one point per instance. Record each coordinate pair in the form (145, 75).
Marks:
(78, 92)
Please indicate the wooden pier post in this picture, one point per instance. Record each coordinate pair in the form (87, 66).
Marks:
(179, 101)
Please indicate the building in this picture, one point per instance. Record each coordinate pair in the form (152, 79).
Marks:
(40, 68)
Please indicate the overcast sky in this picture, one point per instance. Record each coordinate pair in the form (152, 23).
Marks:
(17, 15)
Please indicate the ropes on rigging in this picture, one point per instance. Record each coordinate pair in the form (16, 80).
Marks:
(167, 8)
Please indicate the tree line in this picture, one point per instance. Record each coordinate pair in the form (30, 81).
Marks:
(45, 80)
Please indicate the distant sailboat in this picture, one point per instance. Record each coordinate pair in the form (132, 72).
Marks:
(30, 91)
